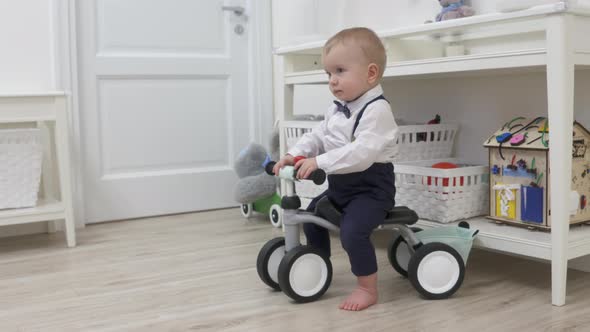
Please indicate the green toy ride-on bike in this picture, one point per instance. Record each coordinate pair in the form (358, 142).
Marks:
(270, 205)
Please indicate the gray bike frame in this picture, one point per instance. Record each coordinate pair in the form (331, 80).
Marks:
(292, 219)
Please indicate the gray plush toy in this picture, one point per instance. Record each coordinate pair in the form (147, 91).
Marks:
(256, 190)
(254, 183)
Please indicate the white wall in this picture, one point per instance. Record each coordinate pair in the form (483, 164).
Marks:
(303, 20)
(27, 60)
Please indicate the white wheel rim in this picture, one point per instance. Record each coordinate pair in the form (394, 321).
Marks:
(308, 275)
(272, 267)
(402, 255)
(248, 210)
(274, 222)
(438, 272)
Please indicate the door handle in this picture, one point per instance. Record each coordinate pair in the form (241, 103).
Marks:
(238, 10)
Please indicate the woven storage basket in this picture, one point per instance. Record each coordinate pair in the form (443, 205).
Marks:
(425, 142)
(443, 195)
(416, 142)
(20, 167)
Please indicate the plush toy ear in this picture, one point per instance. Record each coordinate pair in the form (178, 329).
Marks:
(266, 161)
(249, 161)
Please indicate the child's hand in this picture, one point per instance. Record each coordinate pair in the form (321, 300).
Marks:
(305, 167)
(286, 160)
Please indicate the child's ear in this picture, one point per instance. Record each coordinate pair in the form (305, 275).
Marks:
(373, 73)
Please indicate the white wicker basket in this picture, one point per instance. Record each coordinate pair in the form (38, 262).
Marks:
(293, 130)
(425, 142)
(416, 142)
(443, 195)
(20, 167)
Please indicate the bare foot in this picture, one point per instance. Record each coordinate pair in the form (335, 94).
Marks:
(364, 296)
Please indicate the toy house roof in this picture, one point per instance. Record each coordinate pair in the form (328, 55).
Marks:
(523, 133)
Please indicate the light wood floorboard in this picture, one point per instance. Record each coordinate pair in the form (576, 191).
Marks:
(196, 272)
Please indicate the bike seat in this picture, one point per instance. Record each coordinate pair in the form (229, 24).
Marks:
(401, 215)
(325, 209)
(398, 215)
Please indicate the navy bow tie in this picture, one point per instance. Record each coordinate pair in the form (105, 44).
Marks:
(342, 108)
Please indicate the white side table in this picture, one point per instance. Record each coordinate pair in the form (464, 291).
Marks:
(48, 110)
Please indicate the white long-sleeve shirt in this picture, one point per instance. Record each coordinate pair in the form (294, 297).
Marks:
(332, 144)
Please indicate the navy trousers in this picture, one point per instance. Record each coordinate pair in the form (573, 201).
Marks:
(364, 199)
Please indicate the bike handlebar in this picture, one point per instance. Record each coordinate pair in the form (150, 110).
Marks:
(289, 173)
(269, 166)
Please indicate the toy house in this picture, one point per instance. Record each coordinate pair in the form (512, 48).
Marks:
(520, 171)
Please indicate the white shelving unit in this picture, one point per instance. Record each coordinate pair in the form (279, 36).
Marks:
(46, 110)
(549, 38)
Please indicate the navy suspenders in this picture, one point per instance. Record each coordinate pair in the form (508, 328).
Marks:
(360, 115)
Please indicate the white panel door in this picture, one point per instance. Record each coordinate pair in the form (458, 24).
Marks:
(163, 104)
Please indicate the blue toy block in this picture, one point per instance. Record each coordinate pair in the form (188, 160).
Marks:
(531, 204)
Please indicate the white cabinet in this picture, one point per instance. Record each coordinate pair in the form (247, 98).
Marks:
(547, 38)
(47, 111)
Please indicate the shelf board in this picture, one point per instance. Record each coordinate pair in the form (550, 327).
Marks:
(468, 63)
(306, 77)
(503, 61)
(522, 241)
(45, 210)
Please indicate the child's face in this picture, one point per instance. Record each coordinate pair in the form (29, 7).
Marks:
(349, 72)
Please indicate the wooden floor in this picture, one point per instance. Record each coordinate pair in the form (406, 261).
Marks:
(196, 272)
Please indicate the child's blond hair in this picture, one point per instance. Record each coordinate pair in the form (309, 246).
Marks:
(366, 39)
